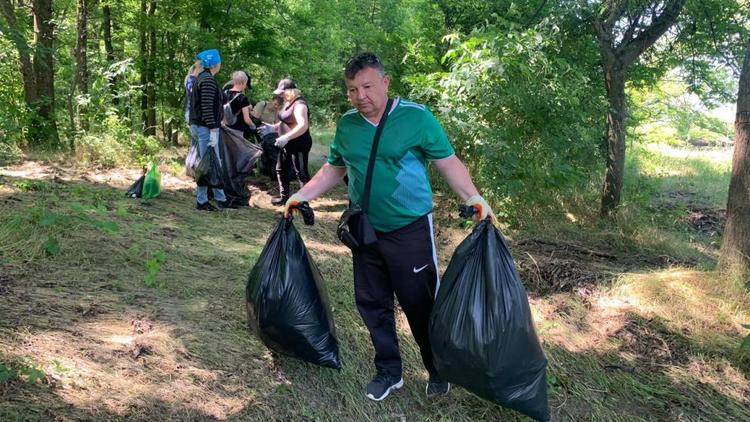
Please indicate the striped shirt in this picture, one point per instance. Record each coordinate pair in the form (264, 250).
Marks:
(206, 109)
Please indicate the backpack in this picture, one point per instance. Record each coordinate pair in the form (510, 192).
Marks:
(230, 118)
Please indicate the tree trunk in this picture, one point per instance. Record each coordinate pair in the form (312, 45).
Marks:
(615, 85)
(143, 60)
(82, 73)
(735, 247)
(110, 49)
(151, 72)
(19, 41)
(43, 128)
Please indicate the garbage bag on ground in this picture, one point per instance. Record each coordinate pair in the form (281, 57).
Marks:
(192, 160)
(136, 189)
(238, 156)
(152, 183)
(209, 173)
(481, 328)
(287, 304)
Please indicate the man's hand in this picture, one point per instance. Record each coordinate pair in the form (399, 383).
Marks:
(213, 137)
(293, 201)
(482, 207)
(281, 141)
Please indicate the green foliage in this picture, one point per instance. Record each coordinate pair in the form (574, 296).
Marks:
(668, 112)
(7, 373)
(153, 266)
(27, 370)
(521, 111)
(52, 245)
(746, 342)
(116, 145)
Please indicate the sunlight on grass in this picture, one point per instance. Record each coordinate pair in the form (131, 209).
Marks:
(703, 173)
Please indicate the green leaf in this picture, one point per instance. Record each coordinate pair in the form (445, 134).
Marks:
(32, 374)
(745, 344)
(7, 373)
(52, 246)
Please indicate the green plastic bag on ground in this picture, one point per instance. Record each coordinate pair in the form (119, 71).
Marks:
(152, 183)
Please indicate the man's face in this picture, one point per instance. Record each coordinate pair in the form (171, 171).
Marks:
(368, 92)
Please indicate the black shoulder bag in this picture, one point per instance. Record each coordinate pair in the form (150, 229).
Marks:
(354, 229)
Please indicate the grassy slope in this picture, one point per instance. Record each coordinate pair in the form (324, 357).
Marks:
(656, 343)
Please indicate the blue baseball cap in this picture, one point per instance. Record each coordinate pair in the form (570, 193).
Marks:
(210, 58)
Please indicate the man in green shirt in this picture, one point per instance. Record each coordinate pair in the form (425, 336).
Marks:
(404, 261)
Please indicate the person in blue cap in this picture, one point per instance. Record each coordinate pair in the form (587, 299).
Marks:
(205, 118)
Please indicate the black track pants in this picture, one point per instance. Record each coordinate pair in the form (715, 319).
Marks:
(404, 263)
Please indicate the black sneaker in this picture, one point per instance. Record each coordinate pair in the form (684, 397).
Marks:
(206, 206)
(279, 200)
(437, 386)
(381, 386)
(226, 204)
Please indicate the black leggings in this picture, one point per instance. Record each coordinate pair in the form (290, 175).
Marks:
(292, 158)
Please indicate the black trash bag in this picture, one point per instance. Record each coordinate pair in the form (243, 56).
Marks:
(481, 328)
(136, 189)
(287, 304)
(239, 156)
(270, 152)
(209, 173)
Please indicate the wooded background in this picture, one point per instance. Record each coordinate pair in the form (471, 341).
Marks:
(540, 98)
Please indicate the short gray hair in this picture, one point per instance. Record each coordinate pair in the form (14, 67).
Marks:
(239, 77)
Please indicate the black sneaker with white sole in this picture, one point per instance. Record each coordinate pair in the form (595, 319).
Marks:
(381, 386)
(437, 386)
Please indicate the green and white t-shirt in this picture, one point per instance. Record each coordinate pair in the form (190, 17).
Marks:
(401, 190)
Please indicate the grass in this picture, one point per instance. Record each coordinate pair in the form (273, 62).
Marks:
(138, 311)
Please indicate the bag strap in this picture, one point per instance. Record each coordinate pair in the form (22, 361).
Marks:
(373, 155)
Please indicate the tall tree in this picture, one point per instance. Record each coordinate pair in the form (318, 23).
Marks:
(735, 247)
(151, 72)
(109, 48)
(147, 52)
(37, 67)
(625, 29)
(82, 72)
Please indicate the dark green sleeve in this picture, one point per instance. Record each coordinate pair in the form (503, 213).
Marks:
(435, 143)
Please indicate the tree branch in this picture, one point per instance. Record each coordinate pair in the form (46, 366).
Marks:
(615, 9)
(630, 51)
(634, 24)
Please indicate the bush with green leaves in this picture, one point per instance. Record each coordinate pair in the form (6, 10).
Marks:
(523, 113)
(116, 144)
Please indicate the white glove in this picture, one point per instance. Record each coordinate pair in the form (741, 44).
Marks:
(281, 141)
(213, 138)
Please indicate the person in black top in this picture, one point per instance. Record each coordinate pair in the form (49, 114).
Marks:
(294, 140)
(205, 117)
(240, 104)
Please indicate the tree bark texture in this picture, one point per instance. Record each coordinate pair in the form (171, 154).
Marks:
(735, 247)
(43, 130)
(82, 73)
(615, 170)
(151, 72)
(110, 49)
